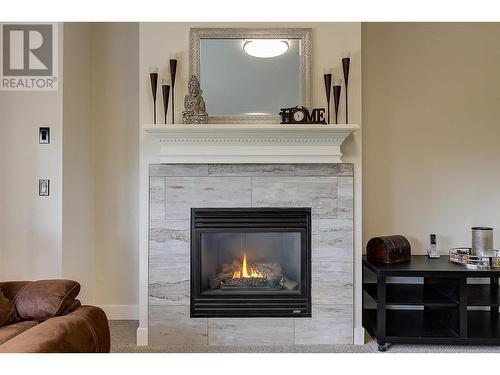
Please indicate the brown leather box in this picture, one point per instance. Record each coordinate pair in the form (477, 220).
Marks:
(389, 249)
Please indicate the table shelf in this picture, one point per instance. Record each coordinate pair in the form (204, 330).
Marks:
(412, 295)
(435, 312)
(423, 324)
(483, 324)
(482, 295)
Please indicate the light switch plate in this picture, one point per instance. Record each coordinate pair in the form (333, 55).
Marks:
(44, 187)
(44, 135)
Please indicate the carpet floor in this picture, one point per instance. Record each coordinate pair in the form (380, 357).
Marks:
(123, 334)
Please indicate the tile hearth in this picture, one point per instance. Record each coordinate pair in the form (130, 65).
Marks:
(176, 188)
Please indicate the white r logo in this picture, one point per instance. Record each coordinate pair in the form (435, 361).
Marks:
(29, 50)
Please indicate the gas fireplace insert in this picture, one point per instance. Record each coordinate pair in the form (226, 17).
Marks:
(250, 262)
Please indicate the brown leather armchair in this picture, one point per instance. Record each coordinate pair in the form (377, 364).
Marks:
(49, 319)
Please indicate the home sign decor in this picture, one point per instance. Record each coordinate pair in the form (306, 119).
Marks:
(301, 115)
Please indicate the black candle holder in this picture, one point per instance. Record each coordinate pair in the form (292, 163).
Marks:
(337, 88)
(327, 76)
(153, 76)
(346, 62)
(165, 89)
(173, 70)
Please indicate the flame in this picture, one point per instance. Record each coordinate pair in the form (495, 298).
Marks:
(245, 271)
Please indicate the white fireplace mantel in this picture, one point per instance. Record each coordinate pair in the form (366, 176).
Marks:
(250, 143)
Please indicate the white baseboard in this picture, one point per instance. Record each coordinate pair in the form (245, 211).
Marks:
(142, 336)
(359, 336)
(121, 312)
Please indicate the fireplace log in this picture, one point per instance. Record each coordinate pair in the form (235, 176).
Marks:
(251, 282)
(288, 284)
(270, 271)
(276, 267)
(220, 277)
(228, 267)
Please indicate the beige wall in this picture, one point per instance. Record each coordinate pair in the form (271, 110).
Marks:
(100, 196)
(115, 105)
(87, 229)
(78, 173)
(431, 131)
(30, 241)
(2, 199)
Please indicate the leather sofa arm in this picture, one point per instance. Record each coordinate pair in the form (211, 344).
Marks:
(85, 330)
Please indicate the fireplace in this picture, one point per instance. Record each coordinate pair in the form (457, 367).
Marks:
(250, 262)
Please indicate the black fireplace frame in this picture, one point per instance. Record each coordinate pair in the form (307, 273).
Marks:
(250, 220)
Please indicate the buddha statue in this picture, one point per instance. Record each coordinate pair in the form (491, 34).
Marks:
(194, 104)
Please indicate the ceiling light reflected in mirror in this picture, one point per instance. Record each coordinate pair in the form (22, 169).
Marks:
(265, 48)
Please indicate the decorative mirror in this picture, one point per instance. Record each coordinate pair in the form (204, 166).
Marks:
(248, 75)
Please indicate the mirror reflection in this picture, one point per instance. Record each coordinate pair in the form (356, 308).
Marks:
(250, 77)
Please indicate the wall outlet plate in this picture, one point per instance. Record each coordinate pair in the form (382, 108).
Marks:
(44, 187)
(44, 135)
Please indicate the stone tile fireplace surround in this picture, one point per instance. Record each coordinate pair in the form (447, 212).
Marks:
(245, 166)
(176, 188)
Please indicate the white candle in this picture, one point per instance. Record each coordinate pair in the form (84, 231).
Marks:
(346, 54)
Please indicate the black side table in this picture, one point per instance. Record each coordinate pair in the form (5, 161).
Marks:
(440, 308)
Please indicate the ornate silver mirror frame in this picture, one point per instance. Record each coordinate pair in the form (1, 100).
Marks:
(305, 51)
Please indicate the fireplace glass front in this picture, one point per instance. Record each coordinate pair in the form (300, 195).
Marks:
(257, 262)
(250, 262)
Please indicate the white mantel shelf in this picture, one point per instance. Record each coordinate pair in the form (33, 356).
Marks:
(250, 143)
